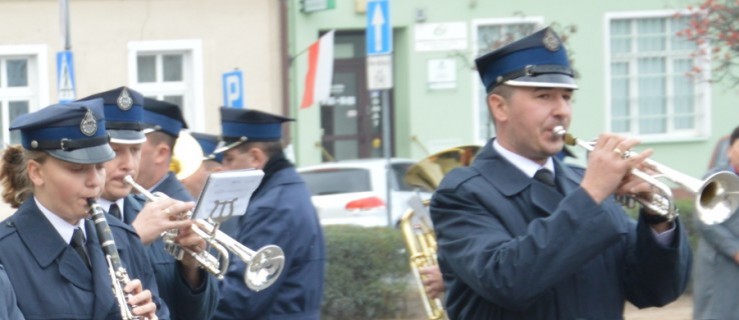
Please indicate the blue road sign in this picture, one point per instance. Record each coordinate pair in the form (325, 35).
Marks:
(379, 29)
(65, 76)
(233, 89)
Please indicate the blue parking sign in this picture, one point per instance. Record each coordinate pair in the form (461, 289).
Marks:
(379, 29)
(233, 89)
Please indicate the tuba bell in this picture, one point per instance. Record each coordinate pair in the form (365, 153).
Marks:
(187, 156)
(415, 224)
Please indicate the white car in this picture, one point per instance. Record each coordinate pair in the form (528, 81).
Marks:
(354, 191)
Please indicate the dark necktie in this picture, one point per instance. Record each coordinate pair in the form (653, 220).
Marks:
(115, 211)
(78, 243)
(545, 176)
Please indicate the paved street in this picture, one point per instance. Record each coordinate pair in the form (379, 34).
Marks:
(682, 309)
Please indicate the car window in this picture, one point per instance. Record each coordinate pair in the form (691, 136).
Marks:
(399, 170)
(331, 181)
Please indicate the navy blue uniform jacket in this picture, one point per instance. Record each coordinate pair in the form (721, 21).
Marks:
(281, 213)
(50, 279)
(8, 302)
(511, 247)
(184, 301)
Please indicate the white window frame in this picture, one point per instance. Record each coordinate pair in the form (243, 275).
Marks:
(477, 104)
(37, 91)
(702, 87)
(191, 88)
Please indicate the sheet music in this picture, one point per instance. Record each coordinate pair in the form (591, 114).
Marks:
(227, 193)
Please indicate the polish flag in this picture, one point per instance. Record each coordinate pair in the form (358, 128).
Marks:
(320, 70)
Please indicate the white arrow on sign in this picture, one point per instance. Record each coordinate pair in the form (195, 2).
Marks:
(66, 92)
(378, 20)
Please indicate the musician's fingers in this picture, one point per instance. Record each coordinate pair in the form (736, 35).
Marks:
(133, 286)
(140, 299)
(146, 310)
(191, 241)
(177, 224)
(178, 209)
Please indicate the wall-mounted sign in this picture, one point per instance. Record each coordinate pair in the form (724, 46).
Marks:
(442, 74)
(317, 5)
(441, 36)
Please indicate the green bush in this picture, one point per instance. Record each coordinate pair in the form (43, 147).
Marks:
(366, 273)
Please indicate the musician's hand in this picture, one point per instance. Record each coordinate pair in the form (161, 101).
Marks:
(607, 168)
(159, 216)
(187, 238)
(432, 281)
(141, 300)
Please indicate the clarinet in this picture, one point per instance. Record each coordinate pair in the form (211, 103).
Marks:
(118, 274)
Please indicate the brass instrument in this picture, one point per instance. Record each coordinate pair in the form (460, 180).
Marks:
(186, 156)
(716, 198)
(118, 274)
(418, 234)
(264, 266)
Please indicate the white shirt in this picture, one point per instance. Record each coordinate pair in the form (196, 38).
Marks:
(105, 204)
(522, 163)
(64, 228)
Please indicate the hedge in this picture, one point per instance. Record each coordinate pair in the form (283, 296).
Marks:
(367, 273)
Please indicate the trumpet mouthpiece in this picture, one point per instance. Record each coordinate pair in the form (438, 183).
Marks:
(568, 138)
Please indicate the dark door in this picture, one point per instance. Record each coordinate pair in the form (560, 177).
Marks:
(350, 119)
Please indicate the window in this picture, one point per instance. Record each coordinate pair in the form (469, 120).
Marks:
(170, 71)
(650, 93)
(488, 36)
(338, 180)
(23, 85)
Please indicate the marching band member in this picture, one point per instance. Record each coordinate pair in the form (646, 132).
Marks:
(211, 163)
(163, 122)
(183, 285)
(521, 235)
(8, 302)
(280, 212)
(49, 249)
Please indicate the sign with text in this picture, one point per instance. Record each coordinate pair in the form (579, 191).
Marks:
(380, 72)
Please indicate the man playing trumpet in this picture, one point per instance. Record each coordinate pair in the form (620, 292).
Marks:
(518, 242)
(188, 291)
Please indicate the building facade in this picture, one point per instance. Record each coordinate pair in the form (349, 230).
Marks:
(176, 50)
(631, 70)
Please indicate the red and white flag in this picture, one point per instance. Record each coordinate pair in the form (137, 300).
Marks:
(320, 70)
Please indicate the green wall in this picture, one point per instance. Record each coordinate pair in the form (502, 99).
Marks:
(445, 118)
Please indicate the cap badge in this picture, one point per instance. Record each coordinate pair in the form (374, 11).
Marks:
(550, 41)
(124, 100)
(88, 126)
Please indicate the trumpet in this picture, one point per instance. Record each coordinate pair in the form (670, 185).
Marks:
(264, 266)
(716, 198)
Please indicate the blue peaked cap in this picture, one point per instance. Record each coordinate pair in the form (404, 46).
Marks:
(73, 132)
(538, 60)
(124, 112)
(241, 125)
(208, 142)
(163, 116)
